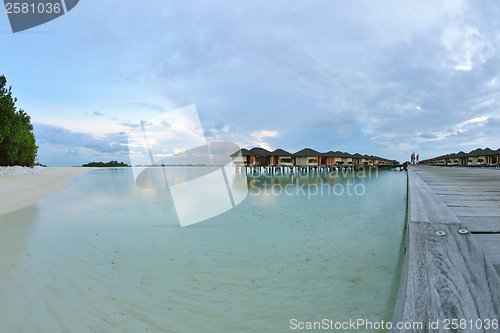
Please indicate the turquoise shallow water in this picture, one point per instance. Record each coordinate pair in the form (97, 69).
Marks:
(107, 256)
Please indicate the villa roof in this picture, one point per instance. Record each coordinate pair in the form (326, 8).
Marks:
(476, 152)
(307, 152)
(334, 154)
(488, 151)
(281, 152)
(340, 154)
(259, 152)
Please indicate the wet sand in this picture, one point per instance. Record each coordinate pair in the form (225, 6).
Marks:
(19, 191)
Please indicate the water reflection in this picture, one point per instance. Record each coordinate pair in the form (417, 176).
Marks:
(16, 230)
(110, 256)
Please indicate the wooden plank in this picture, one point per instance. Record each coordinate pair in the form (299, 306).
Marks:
(448, 277)
(473, 189)
(472, 193)
(472, 203)
(481, 224)
(472, 211)
(454, 183)
(491, 246)
(424, 205)
(466, 196)
(494, 200)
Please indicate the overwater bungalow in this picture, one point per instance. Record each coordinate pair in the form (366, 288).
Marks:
(241, 157)
(385, 161)
(375, 160)
(281, 157)
(367, 160)
(460, 158)
(326, 158)
(306, 157)
(357, 159)
(334, 158)
(347, 159)
(476, 157)
(259, 156)
(482, 156)
(337, 157)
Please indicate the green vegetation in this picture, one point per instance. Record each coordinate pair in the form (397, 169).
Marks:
(312, 160)
(286, 160)
(480, 160)
(17, 141)
(110, 164)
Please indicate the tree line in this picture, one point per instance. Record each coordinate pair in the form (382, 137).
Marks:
(109, 164)
(17, 141)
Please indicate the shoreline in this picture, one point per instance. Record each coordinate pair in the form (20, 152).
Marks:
(18, 191)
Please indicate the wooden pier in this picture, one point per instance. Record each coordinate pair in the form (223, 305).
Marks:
(452, 251)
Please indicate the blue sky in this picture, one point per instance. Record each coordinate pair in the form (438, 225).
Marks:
(386, 78)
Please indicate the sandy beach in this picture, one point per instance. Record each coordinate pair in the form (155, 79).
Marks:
(18, 191)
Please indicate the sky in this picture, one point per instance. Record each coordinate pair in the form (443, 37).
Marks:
(384, 78)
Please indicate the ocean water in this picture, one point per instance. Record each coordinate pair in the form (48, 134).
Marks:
(105, 255)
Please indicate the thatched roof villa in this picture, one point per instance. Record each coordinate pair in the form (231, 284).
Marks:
(305, 158)
(476, 157)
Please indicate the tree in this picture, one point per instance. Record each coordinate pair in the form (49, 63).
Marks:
(17, 141)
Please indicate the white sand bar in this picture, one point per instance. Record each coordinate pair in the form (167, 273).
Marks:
(17, 191)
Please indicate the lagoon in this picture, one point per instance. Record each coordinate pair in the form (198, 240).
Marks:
(105, 255)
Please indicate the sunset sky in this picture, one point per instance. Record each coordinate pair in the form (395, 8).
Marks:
(387, 78)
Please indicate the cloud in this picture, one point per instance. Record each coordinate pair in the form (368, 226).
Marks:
(130, 125)
(493, 122)
(343, 122)
(428, 136)
(56, 142)
(264, 134)
(393, 75)
(218, 130)
(97, 114)
(148, 106)
(336, 119)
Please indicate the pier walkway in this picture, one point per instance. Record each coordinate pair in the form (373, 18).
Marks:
(473, 195)
(452, 251)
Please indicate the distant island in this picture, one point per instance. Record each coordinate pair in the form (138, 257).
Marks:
(110, 164)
